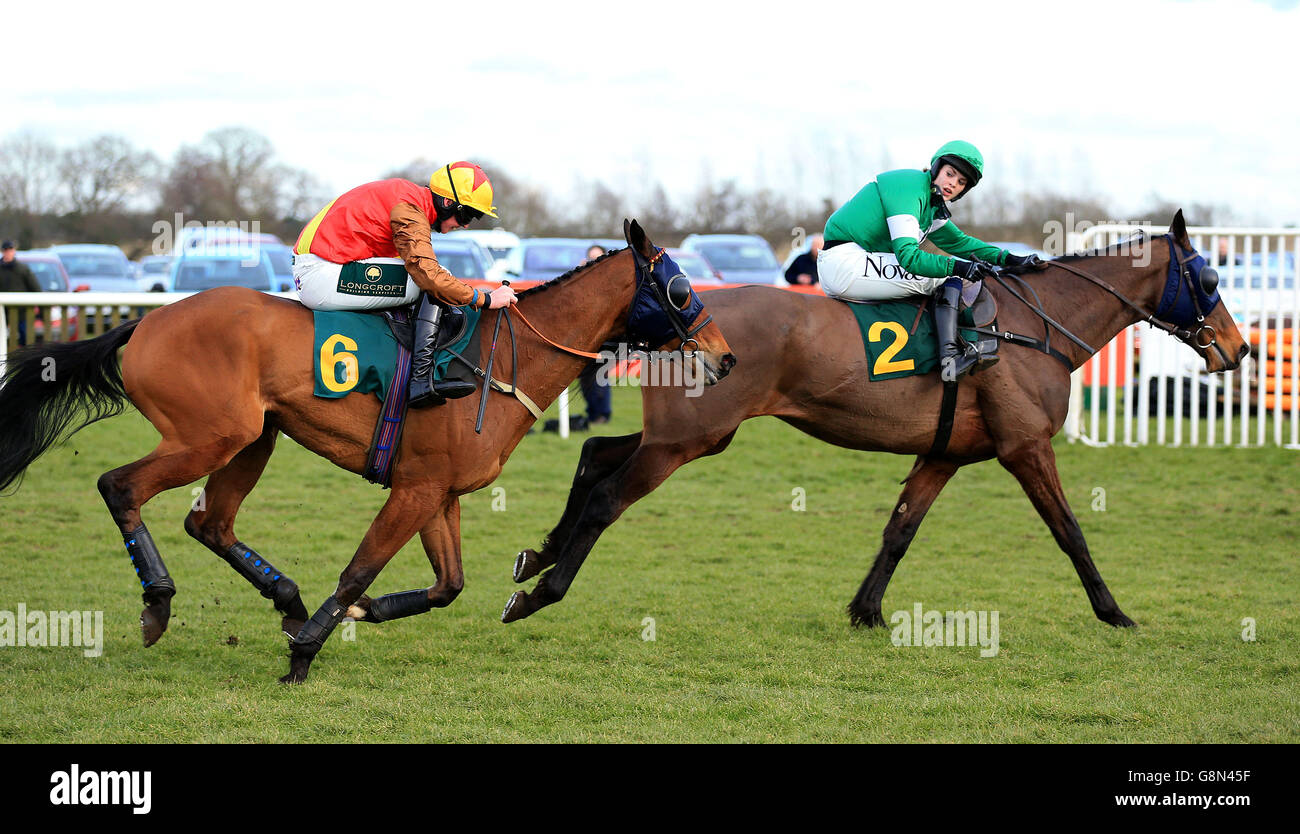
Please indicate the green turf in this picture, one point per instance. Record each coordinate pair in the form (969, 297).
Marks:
(747, 597)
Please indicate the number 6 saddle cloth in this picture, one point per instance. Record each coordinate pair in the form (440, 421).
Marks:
(900, 337)
(357, 352)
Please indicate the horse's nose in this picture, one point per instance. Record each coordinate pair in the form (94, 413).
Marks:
(728, 362)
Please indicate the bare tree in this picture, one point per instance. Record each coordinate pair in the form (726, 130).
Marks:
(191, 185)
(105, 173)
(29, 174)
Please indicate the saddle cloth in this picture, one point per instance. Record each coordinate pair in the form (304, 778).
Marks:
(899, 337)
(357, 352)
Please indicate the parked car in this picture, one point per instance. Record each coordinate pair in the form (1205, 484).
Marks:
(155, 272)
(47, 268)
(544, 258)
(216, 240)
(49, 271)
(461, 256)
(497, 243)
(281, 262)
(739, 259)
(696, 266)
(96, 267)
(229, 266)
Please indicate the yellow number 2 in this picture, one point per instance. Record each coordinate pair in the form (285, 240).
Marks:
(329, 359)
(885, 364)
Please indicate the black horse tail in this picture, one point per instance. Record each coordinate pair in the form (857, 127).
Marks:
(50, 391)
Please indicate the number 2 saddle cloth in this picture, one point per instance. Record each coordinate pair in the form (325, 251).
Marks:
(900, 337)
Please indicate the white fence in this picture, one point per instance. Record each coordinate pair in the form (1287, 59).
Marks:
(1167, 397)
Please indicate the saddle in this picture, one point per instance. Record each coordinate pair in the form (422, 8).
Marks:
(450, 330)
(900, 339)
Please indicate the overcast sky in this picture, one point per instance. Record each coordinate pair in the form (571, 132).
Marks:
(1194, 100)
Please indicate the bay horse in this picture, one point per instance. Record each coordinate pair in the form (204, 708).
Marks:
(221, 373)
(804, 363)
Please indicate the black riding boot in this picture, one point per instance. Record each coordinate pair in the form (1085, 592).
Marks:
(953, 351)
(423, 391)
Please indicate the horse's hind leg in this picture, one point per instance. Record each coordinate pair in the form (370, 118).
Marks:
(212, 522)
(127, 488)
(923, 485)
(1035, 468)
(601, 456)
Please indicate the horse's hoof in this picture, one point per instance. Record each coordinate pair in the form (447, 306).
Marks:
(1118, 620)
(527, 565)
(152, 624)
(298, 668)
(516, 608)
(870, 619)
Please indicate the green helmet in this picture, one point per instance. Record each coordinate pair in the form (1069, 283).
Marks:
(963, 156)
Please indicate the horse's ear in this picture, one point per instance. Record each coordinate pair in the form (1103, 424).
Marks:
(637, 239)
(1178, 228)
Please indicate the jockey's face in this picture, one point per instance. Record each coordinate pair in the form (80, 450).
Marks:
(950, 182)
(451, 224)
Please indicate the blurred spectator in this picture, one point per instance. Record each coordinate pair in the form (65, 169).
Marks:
(803, 269)
(1223, 253)
(597, 396)
(16, 277)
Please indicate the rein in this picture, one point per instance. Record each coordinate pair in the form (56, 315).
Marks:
(1182, 334)
(645, 277)
(542, 336)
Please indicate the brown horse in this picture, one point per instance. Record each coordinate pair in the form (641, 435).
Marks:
(804, 363)
(220, 374)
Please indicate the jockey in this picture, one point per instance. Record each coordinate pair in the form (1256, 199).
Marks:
(873, 245)
(371, 249)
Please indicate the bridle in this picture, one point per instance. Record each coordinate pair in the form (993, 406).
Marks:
(646, 285)
(672, 299)
(1178, 280)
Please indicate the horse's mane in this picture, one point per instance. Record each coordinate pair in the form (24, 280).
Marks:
(540, 288)
(1095, 253)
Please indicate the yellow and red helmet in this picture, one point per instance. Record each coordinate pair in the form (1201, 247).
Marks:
(466, 184)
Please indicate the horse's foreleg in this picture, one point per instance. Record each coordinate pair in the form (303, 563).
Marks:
(441, 540)
(212, 519)
(405, 513)
(1035, 468)
(646, 469)
(923, 486)
(601, 457)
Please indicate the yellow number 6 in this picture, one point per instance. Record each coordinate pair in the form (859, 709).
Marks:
(885, 364)
(328, 359)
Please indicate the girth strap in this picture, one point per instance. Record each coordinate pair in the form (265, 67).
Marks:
(947, 412)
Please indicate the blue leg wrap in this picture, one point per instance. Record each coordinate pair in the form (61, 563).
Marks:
(401, 604)
(317, 630)
(148, 563)
(272, 584)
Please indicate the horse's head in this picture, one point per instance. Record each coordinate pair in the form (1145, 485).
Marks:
(1190, 301)
(667, 313)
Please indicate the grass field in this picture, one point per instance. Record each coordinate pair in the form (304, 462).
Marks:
(746, 593)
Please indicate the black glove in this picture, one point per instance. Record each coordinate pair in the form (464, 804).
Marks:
(1025, 262)
(974, 270)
